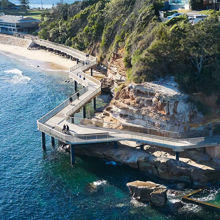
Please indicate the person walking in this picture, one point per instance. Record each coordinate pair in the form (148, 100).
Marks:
(77, 95)
(70, 100)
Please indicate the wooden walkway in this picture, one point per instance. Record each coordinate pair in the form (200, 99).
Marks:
(52, 123)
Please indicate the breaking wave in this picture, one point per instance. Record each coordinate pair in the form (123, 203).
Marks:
(18, 77)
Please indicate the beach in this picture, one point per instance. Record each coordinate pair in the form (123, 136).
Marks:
(18, 47)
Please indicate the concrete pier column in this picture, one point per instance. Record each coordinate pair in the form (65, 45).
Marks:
(94, 103)
(91, 71)
(72, 154)
(72, 119)
(75, 86)
(142, 147)
(52, 142)
(43, 139)
(84, 111)
(178, 156)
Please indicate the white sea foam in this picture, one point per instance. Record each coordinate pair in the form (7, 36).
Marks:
(18, 77)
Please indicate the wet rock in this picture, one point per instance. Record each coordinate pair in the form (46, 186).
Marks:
(148, 192)
(96, 186)
(158, 198)
(64, 148)
(176, 204)
(107, 84)
(180, 186)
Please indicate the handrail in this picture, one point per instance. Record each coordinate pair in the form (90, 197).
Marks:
(64, 48)
(78, 69)
(61, 106)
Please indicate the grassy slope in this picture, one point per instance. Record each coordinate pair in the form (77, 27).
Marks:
(33, 13)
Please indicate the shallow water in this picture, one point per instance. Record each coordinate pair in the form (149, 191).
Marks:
(37, 185)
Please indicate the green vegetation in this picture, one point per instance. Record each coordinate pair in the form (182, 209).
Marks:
(152, 49)
(9, 8)
(24, 4)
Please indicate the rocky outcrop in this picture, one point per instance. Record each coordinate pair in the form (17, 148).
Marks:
(148, 192)
(107, 84)
(157, 108)
(165, 167)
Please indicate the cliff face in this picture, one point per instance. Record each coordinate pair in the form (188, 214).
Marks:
(157, 108)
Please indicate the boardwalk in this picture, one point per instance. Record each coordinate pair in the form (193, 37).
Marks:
(52, 123)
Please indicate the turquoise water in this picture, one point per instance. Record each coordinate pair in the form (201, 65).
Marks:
(37, 185)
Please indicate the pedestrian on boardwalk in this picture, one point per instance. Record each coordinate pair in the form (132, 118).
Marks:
(67, 128)
(64, 127)
(77, 95)
(70, 99)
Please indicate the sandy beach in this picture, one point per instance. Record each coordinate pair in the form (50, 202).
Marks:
(53, 61)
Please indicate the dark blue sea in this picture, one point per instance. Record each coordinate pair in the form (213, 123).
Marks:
(37, 185)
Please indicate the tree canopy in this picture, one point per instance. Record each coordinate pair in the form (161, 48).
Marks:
(152, 49)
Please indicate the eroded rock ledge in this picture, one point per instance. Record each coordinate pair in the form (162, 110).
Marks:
(157, 108)
(157, 163)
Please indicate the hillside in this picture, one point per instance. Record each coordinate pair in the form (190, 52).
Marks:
(130, 35)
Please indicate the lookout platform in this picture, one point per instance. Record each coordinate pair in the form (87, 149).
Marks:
(78, 134)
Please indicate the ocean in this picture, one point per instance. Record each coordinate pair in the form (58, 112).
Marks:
(43, 3)
(37, 185)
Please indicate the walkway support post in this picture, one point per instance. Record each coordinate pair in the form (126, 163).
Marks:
(142, 147)
(75, 85)
(91, 71)
(43, 141)
(72, 154)
(84, 111)
(94, 103)
(52, 142)
(177, 156)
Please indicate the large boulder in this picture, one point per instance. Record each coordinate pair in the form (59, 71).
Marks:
(158, 197)
(148, 192)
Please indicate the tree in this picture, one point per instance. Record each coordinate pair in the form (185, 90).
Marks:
(24, 4)
(201, 44)
(4, 4)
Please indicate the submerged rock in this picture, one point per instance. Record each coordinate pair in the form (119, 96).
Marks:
(148, 192)
(64, 148)
(96, 186)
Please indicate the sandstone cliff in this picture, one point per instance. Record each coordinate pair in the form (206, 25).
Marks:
(156, 108)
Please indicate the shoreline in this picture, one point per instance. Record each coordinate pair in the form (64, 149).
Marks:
(38, 57)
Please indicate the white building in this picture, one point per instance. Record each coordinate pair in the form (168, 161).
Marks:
(10, 24)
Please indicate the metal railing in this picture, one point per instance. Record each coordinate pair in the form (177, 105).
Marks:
(61, 106)
(62, 48)
(75, 70)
